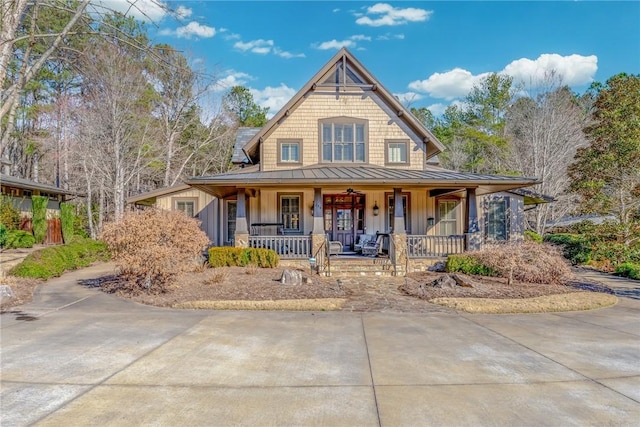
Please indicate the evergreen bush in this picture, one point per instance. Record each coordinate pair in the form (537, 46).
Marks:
(3, 235)
(576, 248)
(9, 214)
(39, 209)
(242, 257)
(18, 239)
(67, 218)
(629, 269)
(467, 264)
(55, 260)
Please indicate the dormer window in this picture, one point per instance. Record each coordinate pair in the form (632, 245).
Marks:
(343, 140)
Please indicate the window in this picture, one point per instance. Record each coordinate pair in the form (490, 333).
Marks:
(232, 208)
(396, 152)
(343, 140)
(188, 206)
(289, 151)
(406, 205)
(496, 220)
(447, 215)
(290, 213)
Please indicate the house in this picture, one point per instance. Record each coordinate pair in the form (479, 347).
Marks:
(344, 158)
(20, 190)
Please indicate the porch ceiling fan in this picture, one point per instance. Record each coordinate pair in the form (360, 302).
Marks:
(352, 191)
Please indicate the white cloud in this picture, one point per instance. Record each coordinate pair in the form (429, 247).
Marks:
(350, 42)
(407, 98)
(574, 69)
(437, 109)
(233, 78)
(381, 14)
(195, 29)
(259, 46)
(456, 83)
(336, 10)
(335, 44)
(183, 12)
(449, 85)
(287, 55)
(389, 36)
(273, 97)
(144, 10)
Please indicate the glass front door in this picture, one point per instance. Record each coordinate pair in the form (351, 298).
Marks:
(344, 218)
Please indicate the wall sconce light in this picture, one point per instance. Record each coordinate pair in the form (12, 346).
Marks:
(430, 221)
(376, 209)
(311, 208)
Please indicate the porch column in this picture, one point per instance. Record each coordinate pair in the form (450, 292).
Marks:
(471, 221)
(399, 254)
(242, 230)
(317, 233)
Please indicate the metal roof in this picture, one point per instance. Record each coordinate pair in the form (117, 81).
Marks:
(156, 193)
(243, 136)
(364, 175)
(27, 184)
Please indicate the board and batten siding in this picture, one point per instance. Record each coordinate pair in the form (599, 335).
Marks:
(303, 124)
(206, 208)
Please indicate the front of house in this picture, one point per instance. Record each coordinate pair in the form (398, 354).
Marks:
(345, 159)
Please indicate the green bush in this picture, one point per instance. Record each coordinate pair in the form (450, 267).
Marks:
(468, 265)
(575, 248)
(241, 257)
(17, 239)
(629, 269)
(67, 218)
(3, 235)
(532, 236)
(9, 214)
(55, 260)
(39, 209)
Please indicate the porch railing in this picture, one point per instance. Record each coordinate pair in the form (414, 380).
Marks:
(421, 246)
(288, 247)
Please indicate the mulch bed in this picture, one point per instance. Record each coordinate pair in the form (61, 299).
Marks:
(483, 287)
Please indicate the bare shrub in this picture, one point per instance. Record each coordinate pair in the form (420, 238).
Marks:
(153, 246)
(526, 262)
(216, 276)
(251, 269)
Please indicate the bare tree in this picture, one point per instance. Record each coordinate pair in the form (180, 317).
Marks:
(545, 131)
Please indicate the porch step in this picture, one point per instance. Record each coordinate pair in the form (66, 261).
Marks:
(362, 266)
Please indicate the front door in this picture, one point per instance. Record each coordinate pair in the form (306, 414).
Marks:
(344, 217)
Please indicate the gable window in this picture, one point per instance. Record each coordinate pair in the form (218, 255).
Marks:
(448, 217)
(289, 151)
(496, 220)
(396, 152)
(290, 214)
(406, 206)
(343, 140)
(188, 206)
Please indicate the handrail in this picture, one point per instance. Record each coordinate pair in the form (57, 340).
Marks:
(321, 255)
(425, 246)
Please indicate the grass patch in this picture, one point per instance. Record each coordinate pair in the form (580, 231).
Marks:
(574, 301)
(316, 304)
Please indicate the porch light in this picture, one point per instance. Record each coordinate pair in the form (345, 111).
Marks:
(430, 222)
(311, 208)
(376, 209)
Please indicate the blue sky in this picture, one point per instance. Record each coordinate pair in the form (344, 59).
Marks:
(428, 53)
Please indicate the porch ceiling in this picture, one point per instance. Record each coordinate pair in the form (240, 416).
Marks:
(363, 176)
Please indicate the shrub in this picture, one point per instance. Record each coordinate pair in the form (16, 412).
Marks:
(242, 257)
(55, 260)
(575, 248)
(532, 236)
(39, 209)
(468, 264)
(153, 246)
(527, 262)
(17, 239)
(3, 235)
(629, 269)
(67, 218)
(9, 214)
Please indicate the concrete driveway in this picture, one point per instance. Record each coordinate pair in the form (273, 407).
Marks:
(76, 356)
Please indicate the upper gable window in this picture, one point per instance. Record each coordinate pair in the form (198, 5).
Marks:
(396, 152)
(289, 151)
(343, 140)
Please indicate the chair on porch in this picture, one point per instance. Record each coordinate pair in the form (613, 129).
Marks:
(373, 247)
(362, 240)
(335, 247)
